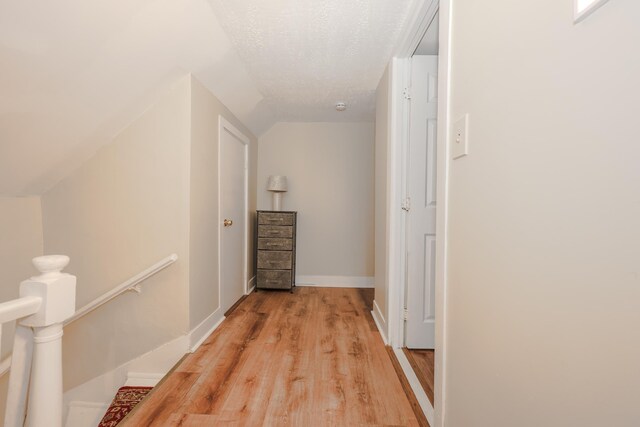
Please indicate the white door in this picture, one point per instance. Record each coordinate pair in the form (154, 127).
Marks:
(232, 163)
(421, 218)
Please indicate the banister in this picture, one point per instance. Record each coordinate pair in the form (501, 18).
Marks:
(19, 308)
(26, 306)
(133, 284)
(14, 310)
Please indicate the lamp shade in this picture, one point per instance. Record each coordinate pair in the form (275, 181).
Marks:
(277, 183)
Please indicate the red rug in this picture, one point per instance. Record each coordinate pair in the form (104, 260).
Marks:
(126, 399)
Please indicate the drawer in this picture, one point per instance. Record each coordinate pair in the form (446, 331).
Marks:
(274, 279)
(275, 244)
(275, 231)
(275, 218)
(275, 260)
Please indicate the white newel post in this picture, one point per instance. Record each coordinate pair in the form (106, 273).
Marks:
(58, 293)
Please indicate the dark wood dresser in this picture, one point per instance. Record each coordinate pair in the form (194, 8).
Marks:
(276, 258)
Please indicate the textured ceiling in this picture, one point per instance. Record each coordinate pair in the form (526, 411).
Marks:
(305, 55)
(73, 73)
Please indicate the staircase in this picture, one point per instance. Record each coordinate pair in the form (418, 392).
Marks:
(102, 414)
(45, 306)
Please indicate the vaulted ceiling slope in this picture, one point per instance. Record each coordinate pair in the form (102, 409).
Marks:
(73, 73)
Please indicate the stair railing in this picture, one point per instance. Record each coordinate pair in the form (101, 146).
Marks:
(45, 306)
(45, 302)
(132, 284)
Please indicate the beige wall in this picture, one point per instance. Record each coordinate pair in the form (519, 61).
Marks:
(330, 172)
(381, 197)
(203, 269)
(20, 241)
(123, 210)
(544, 224)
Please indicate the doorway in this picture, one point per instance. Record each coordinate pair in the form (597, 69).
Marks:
(421, 180)
(233, 221)
(420, 97)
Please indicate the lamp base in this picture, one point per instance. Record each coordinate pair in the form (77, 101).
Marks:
(277, 201)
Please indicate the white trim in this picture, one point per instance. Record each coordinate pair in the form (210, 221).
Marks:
(83, 413)
(581, 16)
(222, 125)
(92, 405)
(378, 318)
(201, 332)
(143, 379)
(442, 215)
(251, 285)
(398, 137)
(421, 17)
(103, 387)
(418, 391)
(336, 281)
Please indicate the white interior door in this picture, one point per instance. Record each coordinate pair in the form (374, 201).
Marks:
(232, 164)
(421, 191)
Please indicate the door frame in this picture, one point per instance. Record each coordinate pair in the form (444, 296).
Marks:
(224, 124)
(423, 15)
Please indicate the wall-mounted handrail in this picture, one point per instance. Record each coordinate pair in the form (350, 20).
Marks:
(133, 284)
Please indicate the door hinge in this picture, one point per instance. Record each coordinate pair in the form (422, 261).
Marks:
(406, 204)
(405, 314)
(406, 93)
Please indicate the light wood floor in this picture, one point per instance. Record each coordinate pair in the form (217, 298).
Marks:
(422, 362)
(311, 358)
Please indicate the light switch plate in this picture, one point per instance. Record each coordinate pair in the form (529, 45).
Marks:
(460, 137)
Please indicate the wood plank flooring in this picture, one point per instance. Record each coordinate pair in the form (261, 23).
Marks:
(311, 358)
(422, 362)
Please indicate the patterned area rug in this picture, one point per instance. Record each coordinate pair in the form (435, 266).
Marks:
(126, 399)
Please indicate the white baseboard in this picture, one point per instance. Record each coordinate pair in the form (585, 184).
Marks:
(85, 414)
(160, 360)
(251, 285)
(336, 281)
(418, 391)
(143, 379)
(380, 322)
(201, 332)
(102, 389)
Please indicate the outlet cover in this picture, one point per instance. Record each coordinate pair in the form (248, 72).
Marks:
(460, 137)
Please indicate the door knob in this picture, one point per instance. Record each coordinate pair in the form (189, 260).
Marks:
(228, 223)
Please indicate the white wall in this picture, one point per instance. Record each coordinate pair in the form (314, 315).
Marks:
(123, 210)
(330, 169)
(204, 225)
(381, 307)
(544, 250)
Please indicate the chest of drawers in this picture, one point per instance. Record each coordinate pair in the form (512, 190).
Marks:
(276, 250)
